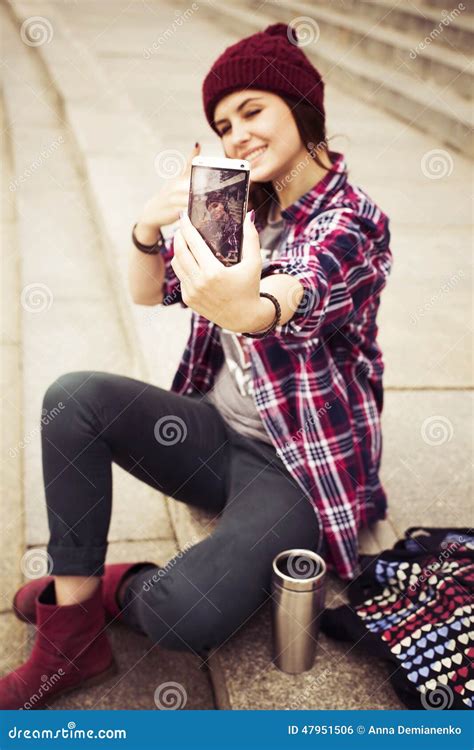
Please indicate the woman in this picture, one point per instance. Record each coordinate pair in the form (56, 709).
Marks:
(220, 230)
(273, 418)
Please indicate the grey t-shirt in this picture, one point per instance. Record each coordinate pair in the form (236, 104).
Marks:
(232, 393)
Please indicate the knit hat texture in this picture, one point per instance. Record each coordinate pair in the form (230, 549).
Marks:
(269, 60)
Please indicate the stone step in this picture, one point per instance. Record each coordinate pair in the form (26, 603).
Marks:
(117, 149)
(451, 29)
(434, 4)
(347, 63)
(391, 47)
(12, 536)
(56, 265)
(64, 265)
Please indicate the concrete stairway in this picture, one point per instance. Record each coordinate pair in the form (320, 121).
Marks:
(121, 109)
(377, 50)
(62, 312)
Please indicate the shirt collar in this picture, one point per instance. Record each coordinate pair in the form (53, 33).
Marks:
(318, 195)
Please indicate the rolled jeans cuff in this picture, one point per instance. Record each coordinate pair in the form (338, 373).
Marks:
(77, 561)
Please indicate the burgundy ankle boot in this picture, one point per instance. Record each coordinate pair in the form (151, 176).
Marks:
(71, 651)
(24, 602)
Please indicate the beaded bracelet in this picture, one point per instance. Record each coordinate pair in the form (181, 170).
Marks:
(276, 319)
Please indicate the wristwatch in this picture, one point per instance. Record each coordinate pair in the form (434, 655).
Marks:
(276, 319)
(149, 249)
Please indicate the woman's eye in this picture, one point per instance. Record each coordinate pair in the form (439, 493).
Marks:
(247, 114)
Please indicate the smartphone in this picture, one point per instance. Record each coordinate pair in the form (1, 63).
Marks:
(218, 198)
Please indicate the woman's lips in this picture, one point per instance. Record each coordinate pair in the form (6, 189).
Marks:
(256, 154)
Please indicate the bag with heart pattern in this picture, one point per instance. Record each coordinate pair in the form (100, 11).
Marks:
(412, 605)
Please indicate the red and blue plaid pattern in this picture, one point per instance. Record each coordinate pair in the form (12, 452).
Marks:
(318, 377)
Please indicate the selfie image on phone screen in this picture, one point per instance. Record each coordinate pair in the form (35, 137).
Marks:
(218, 204)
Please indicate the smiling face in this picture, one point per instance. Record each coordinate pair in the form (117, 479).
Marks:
(258, 126)
(216, 209)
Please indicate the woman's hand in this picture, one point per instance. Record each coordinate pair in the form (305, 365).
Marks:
(164, 207)
(226, 295)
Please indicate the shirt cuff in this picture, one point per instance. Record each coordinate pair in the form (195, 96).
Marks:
(309, 313)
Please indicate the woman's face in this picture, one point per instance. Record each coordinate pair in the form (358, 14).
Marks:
(216, 210)
(258, 126)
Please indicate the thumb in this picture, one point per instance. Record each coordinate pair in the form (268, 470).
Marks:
(195, 152)
(251, 240)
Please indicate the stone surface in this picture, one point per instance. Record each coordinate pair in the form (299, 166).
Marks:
(11, 498)
(152, 550)
(342, 677)
(426, 465)
(145, 671)
(50, 225)
(13, 643)
(429, 319)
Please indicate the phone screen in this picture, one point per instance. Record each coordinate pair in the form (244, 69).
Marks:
(217, 207)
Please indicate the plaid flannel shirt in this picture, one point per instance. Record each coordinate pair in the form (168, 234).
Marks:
(318, 377)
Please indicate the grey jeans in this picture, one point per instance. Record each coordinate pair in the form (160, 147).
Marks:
(181, 446)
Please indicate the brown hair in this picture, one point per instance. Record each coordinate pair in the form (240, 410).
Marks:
(312, 129)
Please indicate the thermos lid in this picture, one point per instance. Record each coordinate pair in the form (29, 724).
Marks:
(298, 569)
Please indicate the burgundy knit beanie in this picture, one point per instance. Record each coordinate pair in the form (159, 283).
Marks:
(268, 60)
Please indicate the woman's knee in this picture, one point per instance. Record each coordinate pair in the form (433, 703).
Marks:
(71, 388)
(180, 617)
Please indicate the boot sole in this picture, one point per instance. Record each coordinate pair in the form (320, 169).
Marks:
(97, 679)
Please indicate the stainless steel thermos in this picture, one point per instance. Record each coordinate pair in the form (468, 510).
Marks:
(298, 596)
